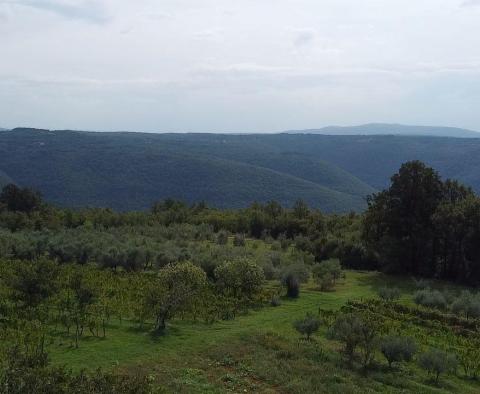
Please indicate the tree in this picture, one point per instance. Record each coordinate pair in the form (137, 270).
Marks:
(241, 279)
(347, 328)
(292, 284)
(397, 349)
(239, 240)
(307, 326)
(389, 294)
(34, 282)
(436, 362)
(20, 200)
(222, 237)
(398, 224)
(172, 291)
(327, 273)
(83, 298)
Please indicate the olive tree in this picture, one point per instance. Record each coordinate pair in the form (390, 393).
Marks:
(307, 326)
(436, 362)
(397, 349)
(171, 291)
(327, 273)
(241, 279)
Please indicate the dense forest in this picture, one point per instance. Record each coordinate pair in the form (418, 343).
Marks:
(130, 171)
(71, 279)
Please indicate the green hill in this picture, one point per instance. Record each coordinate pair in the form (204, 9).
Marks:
(132, 170)
(4, 179)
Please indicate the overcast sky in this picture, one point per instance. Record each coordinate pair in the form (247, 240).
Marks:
(238, 65)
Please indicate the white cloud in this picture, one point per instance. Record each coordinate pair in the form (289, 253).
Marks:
(303, 36)
(470, 3)
(87, 10)
(237, 65)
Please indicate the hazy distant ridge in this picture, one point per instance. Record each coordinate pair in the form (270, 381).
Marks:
(391, 129)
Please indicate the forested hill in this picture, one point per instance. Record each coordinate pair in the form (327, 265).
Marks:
(4, 179)
(132, 170)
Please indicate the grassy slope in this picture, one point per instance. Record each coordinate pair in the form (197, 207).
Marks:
(259, 351)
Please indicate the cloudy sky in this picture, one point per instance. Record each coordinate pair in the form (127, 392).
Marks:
(238, 65)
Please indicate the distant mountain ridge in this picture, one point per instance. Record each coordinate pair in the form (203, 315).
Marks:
(129, 171)
(391, 129)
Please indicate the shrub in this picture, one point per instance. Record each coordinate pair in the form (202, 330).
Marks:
(466, 304)
(222, 238)
(239, 240)
(275, 301)
(430, 298)
(299, 270)
(422, 284)
(355, 331)
(436, 362)
(293, 286)
(396, 349)
(347, 329)
(326, 273)
(389, 294)
(307, 326)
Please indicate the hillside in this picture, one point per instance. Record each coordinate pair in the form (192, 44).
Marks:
(129, 171)
(4, 179)
(392, 129)
(132, 170)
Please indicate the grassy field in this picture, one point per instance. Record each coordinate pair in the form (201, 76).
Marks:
(258, 352)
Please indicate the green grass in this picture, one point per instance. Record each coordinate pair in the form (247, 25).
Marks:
(259, 351)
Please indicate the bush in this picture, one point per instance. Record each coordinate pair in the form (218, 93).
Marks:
(396, 349)
(293, 286)
(466, 304)
(275, 301)
(389, 294)
(355, 331)
(347, 329)
(436, 362)
(422, 284)
(326, 273)
(307, 326)
(239, 240)
(430, 298)
(299, 270)
(222, 238)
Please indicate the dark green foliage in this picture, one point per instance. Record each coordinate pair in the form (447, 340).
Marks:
(467, 304)
(192, 168)
(436, 362)
(423, 226)
(222, 237)
(397, 349)
(326, 273)
(33, 282)
(20, 200)
(389, 293)
(293, 285)
(347, 328)
(430, 299)
(241, 278)
(307, 326)
(239, 240)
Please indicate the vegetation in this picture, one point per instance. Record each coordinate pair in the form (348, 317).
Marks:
(196, 299)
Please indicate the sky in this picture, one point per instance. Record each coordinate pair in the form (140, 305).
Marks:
(238, 65)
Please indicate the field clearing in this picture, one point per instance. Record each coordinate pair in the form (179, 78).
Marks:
(259, 351)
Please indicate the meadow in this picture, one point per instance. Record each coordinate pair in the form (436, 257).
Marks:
(259, 351)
